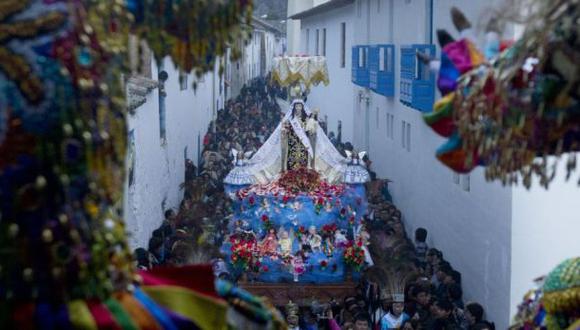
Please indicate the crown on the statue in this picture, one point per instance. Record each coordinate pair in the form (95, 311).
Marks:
(296, 92)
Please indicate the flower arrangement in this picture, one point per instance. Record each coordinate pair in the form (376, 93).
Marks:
(242, 254)
(318, 205)
(266, 222)
(300, 233)
(328, 230)
(354, 256)
(291, 184)
(300, 180)
(351, 220)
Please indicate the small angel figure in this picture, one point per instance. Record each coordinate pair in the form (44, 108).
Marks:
(314, 239)
(298, 267)
(269, 244)
(328, 247)
(285, 243)
(239, 175)
(340, 239)
(355, 170)
(363, 237)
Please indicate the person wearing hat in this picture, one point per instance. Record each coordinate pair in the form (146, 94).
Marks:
(396, 316)
(292, 317)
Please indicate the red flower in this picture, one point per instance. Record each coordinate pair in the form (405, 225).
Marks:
(265, 268)
(252, 200)
(323, 263)
(264, 218)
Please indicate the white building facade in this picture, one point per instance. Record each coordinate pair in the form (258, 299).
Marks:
(257, 57)
(163, 132)
(479, 226)
(166, 125)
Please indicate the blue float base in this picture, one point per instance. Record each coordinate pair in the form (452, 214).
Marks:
(297, 214)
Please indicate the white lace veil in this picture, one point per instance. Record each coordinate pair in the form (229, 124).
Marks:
(265, 165)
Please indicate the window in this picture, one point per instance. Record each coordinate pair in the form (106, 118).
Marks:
(381, 59)
(408, 137)
(307, 41)
(131, 158)
(162, 128)
(389, 59)
(403, 134)
(182, 81)
(392, 127)
(162, 75)
(390, 124)
(323, 42)
(317, 42)
(466, 182)
(455, 178)
(362, 57)
(342, 44)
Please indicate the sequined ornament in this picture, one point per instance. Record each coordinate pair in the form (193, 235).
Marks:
(513, 112)
(62, 146)
(59, 90)
(194, 32)
(561, 294)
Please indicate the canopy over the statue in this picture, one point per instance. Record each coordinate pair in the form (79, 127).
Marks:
(306, 70)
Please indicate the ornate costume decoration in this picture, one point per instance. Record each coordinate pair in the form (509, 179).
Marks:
(62, 141)
(513, 111)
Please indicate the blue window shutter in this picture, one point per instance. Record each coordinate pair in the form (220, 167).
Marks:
(354, 64)
(364, 70)
(384, 61)
(417, 87)
(407, 74)
(424, 84)
(374, 68)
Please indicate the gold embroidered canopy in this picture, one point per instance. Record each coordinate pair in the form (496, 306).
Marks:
(308, 70)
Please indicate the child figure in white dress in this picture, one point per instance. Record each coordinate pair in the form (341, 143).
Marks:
(239, 175)
(356, 172)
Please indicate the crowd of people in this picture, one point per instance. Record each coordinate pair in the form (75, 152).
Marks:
(410, 286)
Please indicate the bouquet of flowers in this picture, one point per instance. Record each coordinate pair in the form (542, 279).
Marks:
(328, 230)
(266, 222)
(354, 256)
(300, 180)
(300, 232)
(243, 254)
